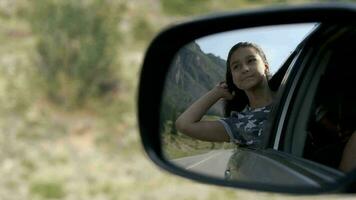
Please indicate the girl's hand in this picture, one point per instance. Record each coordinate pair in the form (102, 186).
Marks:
(222, 90)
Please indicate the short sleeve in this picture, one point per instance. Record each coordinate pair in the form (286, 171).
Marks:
(232, 126)
(226, 122)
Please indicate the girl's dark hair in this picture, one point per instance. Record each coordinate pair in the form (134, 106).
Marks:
(240, 99)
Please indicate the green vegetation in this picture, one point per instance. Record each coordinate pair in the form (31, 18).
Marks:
(195, 7)
(48, 189)
(185, 7)
(143, 29)
(77, 46)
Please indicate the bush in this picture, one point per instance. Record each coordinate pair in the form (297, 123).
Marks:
(185, 7)
(77, 47)
(143, 30)
(48, 189)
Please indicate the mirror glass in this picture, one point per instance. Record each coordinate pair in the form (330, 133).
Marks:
(198, 68)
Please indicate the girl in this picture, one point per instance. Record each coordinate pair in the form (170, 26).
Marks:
(247, 77)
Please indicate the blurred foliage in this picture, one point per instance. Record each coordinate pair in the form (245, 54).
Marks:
(14, 94)
(185, 7)
(10, 8)
(48, 189)
(195, 7)
(77, 46)
(142, 29)
(17, 74)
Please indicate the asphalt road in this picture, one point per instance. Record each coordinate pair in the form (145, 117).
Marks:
(212, 163)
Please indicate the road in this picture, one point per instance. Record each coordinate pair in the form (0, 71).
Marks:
(212, 163)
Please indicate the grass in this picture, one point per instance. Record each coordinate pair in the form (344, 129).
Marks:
(51, 189)
(180, 145)
(177, 146)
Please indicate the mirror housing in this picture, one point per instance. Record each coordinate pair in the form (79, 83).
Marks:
(164, 47)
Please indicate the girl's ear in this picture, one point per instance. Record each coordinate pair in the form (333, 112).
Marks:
(266, 69)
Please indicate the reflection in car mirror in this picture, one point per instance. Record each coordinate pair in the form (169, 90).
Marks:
(196, 69)
(232, 103)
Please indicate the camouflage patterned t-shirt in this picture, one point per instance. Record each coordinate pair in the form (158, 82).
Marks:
(245, 127)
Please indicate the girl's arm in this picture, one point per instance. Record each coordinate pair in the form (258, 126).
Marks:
(189, 122)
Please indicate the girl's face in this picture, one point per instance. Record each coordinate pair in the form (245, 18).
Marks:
(247, 68)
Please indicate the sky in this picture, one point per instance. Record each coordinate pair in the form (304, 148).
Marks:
(277, 42)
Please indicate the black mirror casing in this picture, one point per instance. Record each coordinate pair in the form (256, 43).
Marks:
(163, 48)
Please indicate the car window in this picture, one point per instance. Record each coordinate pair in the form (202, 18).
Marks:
(332, 120)
(327, 114)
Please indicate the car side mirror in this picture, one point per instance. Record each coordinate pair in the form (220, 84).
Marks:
(185, 61)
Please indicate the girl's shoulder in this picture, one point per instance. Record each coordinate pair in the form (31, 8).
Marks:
(248, 111)
(256, 110)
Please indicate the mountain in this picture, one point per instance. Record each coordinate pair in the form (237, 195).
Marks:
(192, 74)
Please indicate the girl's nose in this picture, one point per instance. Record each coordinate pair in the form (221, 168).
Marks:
(245, 68)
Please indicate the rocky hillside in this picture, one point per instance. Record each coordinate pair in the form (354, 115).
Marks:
(192, 74)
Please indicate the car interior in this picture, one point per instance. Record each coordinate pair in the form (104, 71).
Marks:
(333, 117)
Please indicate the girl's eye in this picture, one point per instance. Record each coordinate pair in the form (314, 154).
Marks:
(251, 60)
(237, 66)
